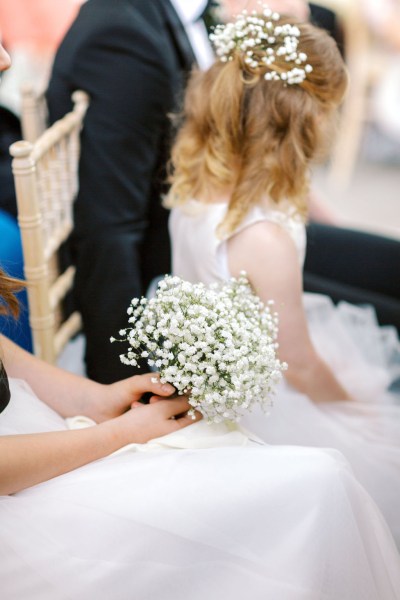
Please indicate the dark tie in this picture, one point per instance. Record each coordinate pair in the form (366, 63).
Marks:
(178, 35)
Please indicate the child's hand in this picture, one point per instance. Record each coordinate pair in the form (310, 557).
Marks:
(112, 400)
(145, 422)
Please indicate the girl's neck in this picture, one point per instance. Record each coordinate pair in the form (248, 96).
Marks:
(223, 196)
(216, 195)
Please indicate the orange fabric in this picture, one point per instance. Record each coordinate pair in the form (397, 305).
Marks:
(37, 24)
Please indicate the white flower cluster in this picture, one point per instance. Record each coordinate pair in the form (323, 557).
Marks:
(216, 343)
(261, 40)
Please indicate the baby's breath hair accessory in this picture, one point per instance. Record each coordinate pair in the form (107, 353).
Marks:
(261, 41)
(216, 343)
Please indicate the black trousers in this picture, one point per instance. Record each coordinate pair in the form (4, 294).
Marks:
(355, 266)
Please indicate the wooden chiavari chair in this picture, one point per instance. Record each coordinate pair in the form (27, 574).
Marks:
(46, 181)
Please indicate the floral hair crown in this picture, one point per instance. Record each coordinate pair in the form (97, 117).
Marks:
(261, 40)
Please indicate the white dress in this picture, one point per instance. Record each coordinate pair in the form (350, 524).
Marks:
(154, 522)
(365, 358)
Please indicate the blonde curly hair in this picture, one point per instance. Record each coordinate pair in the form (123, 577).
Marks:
(254, 136)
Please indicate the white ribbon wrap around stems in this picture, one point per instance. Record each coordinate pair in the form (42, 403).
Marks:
(199, 435)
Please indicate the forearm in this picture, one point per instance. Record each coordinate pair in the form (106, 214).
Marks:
(26, 460)
(316, 380)
(66, 393)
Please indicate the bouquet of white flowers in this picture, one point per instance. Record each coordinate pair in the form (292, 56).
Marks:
(215, 343)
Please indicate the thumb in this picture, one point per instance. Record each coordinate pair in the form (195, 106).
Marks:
(150, 382)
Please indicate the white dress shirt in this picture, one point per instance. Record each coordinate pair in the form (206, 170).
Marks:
(189, 12)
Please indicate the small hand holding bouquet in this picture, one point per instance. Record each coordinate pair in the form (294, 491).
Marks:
(216, 344)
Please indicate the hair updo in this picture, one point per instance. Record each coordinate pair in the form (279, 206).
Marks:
(257, 136)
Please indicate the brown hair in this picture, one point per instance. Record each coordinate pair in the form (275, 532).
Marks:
(254, 136)
(8, 287)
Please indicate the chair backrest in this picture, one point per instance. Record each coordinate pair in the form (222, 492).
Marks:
(34, 114)
(46, 181)
(34, 111)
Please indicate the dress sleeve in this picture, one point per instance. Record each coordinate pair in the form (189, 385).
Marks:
(4, 389)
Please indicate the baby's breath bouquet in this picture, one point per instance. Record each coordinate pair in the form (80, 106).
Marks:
(215, 343)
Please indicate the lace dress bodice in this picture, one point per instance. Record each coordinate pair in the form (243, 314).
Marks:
(193, 234)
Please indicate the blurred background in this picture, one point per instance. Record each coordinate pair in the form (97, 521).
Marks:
(371, 199)
(362, 180)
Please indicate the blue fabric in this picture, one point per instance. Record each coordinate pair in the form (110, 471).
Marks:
(11, 261)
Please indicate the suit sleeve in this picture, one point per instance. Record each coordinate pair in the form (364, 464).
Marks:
(129, 76)
(125, 127)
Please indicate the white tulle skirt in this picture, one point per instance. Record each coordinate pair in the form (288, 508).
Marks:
(366, 359)
(232, 522)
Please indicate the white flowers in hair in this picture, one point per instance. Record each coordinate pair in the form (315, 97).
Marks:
(216, 343)
(261, 40)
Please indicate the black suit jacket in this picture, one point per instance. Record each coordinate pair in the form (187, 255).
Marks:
(132, 57)
(327, 19)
